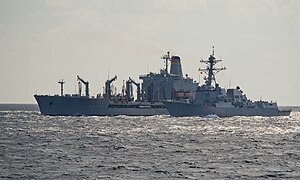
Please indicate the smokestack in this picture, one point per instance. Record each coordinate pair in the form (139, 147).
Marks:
(176, 66)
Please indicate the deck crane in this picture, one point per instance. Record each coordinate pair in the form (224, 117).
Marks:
(107, 87)
(86, 83)
(138, 89)
(128, 90)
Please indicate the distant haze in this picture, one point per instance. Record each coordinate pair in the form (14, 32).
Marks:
(44, 41)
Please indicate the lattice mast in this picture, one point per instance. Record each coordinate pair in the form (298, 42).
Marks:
(211, 70)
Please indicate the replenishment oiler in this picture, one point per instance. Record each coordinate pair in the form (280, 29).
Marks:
(151, 95)
(211, 99)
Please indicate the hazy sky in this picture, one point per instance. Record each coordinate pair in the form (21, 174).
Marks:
(44, 41)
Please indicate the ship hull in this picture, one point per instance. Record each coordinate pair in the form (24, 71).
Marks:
(80, 105)
(179, 109)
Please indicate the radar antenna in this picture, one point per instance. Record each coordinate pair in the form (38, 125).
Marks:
(211, 70)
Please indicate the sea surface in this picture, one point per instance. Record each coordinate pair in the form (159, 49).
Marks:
(33, 146)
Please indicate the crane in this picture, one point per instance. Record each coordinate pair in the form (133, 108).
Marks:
(107, 87)
(129, 94)
(138, 87)
(86, 83)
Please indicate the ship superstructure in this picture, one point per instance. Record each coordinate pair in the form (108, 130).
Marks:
(167, 86)
(210, 98)
(151, 94)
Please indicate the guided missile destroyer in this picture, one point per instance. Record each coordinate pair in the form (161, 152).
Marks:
(155, 89)
(211, 99)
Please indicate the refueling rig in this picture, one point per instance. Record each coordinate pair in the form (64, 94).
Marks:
(155, 89)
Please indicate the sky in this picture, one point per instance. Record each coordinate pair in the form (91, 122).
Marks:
(44, 41)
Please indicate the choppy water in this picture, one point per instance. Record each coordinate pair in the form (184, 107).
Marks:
(158, 147)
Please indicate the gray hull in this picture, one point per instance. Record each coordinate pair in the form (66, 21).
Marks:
(80, 105)
(186, 109)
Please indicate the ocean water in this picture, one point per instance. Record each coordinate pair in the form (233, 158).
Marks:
(33, 146)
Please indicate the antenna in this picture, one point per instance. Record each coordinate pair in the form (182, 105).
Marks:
(213, 50)
(168, 57)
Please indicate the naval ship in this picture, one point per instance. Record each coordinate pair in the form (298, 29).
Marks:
(151, 95)
(211, 99)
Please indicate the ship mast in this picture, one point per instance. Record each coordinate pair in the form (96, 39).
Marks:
(166, 58)
(61, 82)
(211, 70)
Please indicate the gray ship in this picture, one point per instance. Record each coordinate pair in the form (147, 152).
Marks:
(211, 99)
(151, 95)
